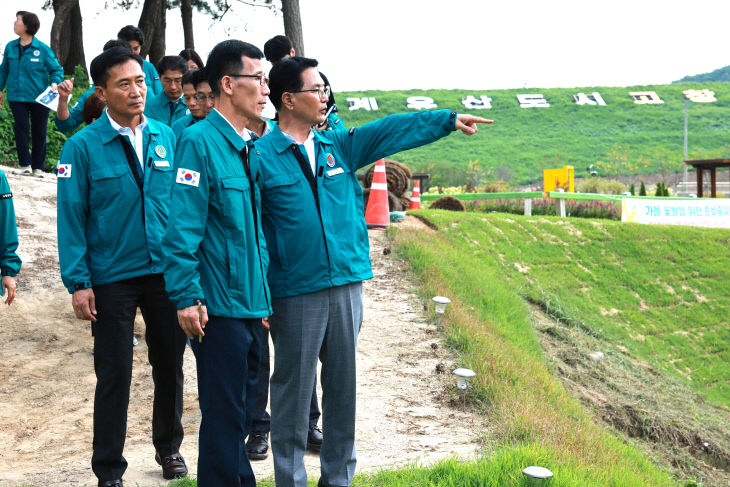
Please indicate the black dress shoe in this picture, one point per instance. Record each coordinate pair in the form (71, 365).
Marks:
(314, 439)
(110, 483)
(257, 446)
(173, 466)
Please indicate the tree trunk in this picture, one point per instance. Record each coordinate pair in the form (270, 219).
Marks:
(66, 38)
(76, 54)
(293, 24)
(186, 11)
(152, 22)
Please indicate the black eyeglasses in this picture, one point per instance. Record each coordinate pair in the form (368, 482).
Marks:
(322, 91)
(263, 79)
(203, 98)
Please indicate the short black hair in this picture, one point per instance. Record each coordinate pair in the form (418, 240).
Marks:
(286, 76)
(131, 33)
(277, 48)
(191, 55)
(225, 58)
(199, 76)
(30, 21)
(102, 63)
(116, 43)
(189, 77)
(172, 63)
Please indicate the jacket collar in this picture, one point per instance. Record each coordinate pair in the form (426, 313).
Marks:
(281, 143)
(226, 129)
(35, 42)
(108, 133)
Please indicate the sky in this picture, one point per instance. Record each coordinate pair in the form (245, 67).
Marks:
(462, 44)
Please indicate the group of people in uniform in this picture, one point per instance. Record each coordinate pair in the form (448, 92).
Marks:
(179, 199)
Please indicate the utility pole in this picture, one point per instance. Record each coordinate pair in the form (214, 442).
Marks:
(686, 117)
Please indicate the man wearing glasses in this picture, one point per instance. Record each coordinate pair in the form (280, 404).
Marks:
(169, 106)
(198, 111)
(216, 259)
(312, 208)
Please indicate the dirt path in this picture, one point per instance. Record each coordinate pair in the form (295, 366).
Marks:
(47, 378)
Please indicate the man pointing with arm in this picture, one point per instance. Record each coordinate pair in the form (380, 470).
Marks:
(312, 209)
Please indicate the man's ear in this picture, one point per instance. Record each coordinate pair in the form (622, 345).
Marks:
(99, 92)
(227, 85)
(287, 100)
(292, 52)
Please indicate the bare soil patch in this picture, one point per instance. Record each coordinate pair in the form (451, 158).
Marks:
(47, 378)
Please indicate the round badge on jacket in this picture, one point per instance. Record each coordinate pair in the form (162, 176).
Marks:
(36, 52)
(160, 151)
(330, 160)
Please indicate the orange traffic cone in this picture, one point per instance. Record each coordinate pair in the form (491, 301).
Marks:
(415, 197)
(377, 214)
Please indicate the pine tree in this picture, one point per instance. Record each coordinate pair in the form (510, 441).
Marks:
(632, 189)
(642, 189)
(659, 191)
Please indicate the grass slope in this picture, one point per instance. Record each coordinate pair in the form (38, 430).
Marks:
(640, 293)
(619, 138)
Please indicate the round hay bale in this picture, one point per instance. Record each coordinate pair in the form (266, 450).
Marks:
(394, 203)
(397, 175)
(405, 200)
(447, 203)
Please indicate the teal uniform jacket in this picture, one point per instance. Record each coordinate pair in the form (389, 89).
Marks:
(158, 107)
(181, 124)
(28, 72)
(9, 260)
(107, 231)
(334, 122)
(76, 114)
(151, 78)
(317, 247)
(214, 247)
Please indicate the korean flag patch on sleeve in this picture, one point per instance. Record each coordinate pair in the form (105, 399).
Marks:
(186, 176)
(64, 170)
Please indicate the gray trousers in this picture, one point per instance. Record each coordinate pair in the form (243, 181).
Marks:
(323, 325)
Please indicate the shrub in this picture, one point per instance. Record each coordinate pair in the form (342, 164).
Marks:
(632, 189)
(642, 189)
(540, 206)
(600, 186)
(498, 186)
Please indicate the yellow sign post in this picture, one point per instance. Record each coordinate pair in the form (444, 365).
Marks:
(562, 178)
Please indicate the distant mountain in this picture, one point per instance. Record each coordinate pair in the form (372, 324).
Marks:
(721, 74)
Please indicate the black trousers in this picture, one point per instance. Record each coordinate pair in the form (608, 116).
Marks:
(116, 306)
(227, 359)
(37, 128)
(261, 418)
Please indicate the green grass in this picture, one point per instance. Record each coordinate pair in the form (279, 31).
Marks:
(660, 291)
(586, 275)
(621, 138)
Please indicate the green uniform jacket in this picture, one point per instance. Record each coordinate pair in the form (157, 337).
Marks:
(181, 124)
(157, 107)
(76, 114)
(27, 73)
(9, 260)
(151, 78)
(316, 247)
(107, 231)
(214, 247)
